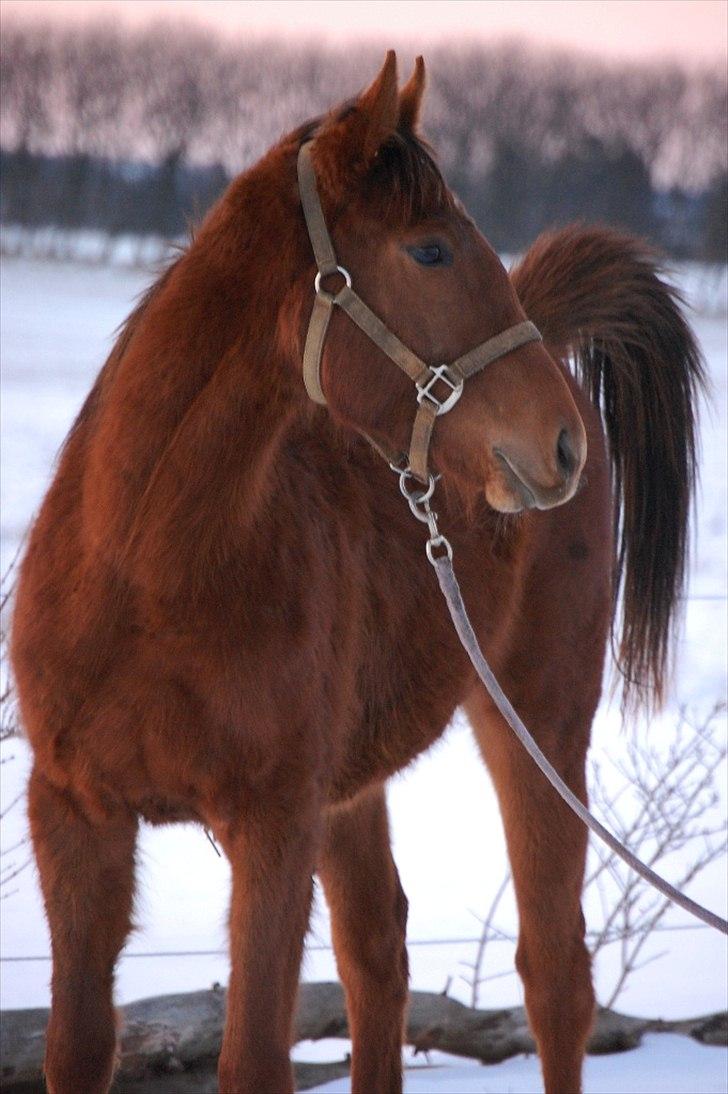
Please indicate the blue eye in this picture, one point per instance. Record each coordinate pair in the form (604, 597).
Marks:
(430, 254)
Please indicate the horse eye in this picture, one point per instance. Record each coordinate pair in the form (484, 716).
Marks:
(431, 254)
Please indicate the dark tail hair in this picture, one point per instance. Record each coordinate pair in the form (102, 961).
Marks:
(598, 296)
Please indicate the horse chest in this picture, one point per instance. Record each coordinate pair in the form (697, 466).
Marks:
(409, 682)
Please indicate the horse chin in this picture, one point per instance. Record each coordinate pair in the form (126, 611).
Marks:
(469, 484)
(506, 493)
(504, 501)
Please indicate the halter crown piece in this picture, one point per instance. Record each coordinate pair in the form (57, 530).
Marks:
(447, 379)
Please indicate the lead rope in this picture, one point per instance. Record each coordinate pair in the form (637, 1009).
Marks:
(419, 502)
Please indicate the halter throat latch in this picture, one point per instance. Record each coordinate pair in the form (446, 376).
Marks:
(438, 387)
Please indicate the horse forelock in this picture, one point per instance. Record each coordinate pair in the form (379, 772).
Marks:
(403, 183)
(406, 178)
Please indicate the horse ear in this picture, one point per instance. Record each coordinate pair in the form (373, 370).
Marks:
(410, 97)
(348, 142)
(379, 108)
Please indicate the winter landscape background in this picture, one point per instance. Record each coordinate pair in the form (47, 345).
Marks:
(58, 321)
(117, 130)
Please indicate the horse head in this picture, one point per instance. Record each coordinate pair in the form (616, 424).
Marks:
(419, 263)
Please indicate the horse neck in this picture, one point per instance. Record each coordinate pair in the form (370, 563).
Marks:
(203, 398)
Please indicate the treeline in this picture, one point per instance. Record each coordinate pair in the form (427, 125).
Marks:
(139, 131)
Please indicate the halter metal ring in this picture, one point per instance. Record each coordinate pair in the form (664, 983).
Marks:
(436, 542)
(328, 273)
(440, 372)
(417, 496)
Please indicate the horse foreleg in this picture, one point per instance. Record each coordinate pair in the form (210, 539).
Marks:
(369, 918)
(272, 851)
(86, 868)
(547, 848)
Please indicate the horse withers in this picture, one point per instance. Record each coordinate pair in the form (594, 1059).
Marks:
(225, 613)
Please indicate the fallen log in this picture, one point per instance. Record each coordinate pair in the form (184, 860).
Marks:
(170, 1043)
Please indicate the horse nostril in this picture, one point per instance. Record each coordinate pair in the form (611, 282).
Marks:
(565, 456)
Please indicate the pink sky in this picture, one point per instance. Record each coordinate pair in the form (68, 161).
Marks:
(692, 30)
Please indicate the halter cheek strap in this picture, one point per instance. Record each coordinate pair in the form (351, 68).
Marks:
(438, 387)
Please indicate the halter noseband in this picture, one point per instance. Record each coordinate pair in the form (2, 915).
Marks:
(425, 377)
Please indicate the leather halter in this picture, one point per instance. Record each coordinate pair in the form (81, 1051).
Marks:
(426, 377)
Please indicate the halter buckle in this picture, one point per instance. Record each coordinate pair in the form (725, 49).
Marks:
(425, 390)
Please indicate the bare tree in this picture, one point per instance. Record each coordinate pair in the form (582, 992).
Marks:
(13, 859)
(25, 124)
(675, 796)
(527, 138)
(715, 221)
(660, 805)
(25, 53)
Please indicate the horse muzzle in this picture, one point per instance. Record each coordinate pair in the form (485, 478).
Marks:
(546, 479)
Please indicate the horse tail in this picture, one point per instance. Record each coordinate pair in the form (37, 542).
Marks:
(599, 298)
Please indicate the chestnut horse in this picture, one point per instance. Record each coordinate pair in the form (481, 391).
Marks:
(225, 613)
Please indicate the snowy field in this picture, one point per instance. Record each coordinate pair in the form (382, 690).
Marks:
(664, 1064)
(57, 326)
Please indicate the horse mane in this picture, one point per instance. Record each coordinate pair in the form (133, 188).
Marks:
(124, 334)
(403, 182)
(405, 179)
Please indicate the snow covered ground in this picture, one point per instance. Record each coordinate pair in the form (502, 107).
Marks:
(664, 1064)
(57, 325)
